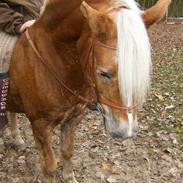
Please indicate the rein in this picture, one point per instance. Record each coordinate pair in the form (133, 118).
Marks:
(62, 85)
(43, 61)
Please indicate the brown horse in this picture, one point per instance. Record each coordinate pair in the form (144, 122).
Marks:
(52, 87)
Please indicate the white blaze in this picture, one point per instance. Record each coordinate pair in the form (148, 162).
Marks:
(130, 122)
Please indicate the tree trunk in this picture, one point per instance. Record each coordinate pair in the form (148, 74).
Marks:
(175, 10)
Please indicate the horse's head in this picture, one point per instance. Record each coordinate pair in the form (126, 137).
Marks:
(120, 51)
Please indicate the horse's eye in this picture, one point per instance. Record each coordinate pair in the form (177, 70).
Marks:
(107, 75)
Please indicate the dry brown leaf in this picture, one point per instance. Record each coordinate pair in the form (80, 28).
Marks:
(181, 124)
(159, 96)
(105, 166)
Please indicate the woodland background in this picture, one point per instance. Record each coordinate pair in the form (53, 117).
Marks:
(175, 10)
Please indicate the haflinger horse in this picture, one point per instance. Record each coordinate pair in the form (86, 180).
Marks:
(113, 70)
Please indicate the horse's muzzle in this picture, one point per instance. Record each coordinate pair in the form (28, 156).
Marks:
(121, 130)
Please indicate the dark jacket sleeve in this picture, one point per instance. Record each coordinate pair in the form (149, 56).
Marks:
(10, 20)
(31, 8)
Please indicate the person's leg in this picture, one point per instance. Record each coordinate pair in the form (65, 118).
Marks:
(4, 82)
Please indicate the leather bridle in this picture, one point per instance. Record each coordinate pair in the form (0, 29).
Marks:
(101, 99)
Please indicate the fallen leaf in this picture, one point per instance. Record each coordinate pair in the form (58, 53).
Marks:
(159, 96)
(111, 179)
(169, 107)
(181, 124)
(105, 166)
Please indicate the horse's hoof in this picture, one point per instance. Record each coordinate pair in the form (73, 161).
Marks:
(20, 147)
(70, 178)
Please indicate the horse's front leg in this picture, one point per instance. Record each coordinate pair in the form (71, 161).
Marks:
(17, 141)
(43, 137)
(67, 148)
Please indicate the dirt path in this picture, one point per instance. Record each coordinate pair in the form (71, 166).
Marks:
(155, 156)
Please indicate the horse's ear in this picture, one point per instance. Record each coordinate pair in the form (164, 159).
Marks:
(96, 20)
(156, 12)
(86, 10)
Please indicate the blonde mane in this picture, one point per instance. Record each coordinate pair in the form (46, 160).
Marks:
(134, 55)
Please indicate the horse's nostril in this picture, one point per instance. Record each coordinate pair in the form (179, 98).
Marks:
(120, 129)
(122, 134)
(115, 135)
(136, 131)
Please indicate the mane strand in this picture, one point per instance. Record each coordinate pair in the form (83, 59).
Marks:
(134, 55)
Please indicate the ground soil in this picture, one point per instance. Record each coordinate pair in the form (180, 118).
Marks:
(154, 156)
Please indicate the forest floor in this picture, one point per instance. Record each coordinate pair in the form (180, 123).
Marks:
(154, 156)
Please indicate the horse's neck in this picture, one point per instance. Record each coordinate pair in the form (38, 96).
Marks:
(87, 62)
(62, 19)
(61, 59)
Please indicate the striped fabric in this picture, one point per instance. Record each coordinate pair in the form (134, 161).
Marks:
(7, 43)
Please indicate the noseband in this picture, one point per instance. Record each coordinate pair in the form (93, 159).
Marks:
(101, 99)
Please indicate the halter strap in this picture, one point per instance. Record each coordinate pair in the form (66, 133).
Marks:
(105, 45)
(114, 104)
